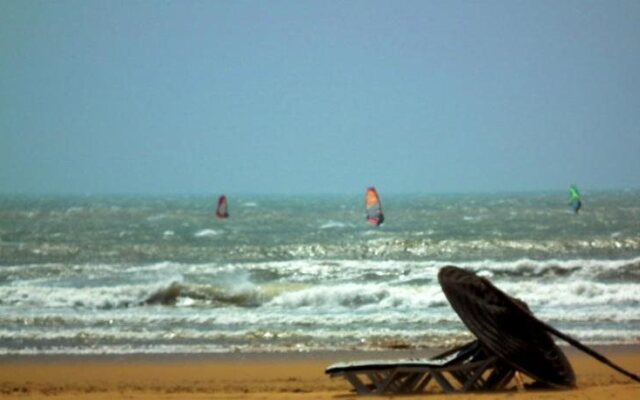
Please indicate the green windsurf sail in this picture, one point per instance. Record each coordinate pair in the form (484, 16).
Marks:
(574, 198)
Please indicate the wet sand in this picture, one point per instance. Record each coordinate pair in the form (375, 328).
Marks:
(261, 376)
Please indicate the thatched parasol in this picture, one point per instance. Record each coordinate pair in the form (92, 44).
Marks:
(506, 328)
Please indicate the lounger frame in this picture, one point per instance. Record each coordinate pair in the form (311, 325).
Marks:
(463, 369)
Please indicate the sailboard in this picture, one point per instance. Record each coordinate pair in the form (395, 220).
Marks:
(574, 198)
(373, 207)
(222, 208)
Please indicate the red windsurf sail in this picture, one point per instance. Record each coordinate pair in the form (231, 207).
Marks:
(373, 207)
(221, 210)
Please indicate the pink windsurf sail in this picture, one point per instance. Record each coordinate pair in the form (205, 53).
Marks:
(222, 209)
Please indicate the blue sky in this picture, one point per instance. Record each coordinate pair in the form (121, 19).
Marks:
(318, 96)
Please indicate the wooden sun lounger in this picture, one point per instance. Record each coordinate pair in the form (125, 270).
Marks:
(461, 369)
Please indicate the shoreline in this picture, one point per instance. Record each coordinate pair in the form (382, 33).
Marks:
(355, 354)
(261, 375)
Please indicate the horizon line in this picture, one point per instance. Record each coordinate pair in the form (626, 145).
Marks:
(247, 193)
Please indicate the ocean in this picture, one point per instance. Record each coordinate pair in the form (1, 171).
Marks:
(142, 274)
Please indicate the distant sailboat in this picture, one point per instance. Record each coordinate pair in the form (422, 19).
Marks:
(574, 198)
(373, 207)
(222, 209)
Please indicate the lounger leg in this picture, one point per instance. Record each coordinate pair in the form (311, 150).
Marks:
(499, 378)
(356, 383)
(423, 384)
(380, 381)
(410, 383)
(442, 381)
(477, 374)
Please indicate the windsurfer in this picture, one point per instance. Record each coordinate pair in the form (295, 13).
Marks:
(380, 218)
(574, 198)
(373, 207)
(222, 208)
(576, 205)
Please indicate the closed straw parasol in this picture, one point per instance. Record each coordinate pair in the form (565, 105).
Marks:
(506, 327)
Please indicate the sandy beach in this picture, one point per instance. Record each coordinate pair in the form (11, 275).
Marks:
(258, 376)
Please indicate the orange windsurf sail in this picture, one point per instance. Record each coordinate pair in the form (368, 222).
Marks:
(373, 207)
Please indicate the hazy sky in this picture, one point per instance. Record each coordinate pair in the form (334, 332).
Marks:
(318, 96)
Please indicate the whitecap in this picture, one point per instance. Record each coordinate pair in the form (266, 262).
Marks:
(207, 233)
(157, 217)
(74, 210)
(350, 295)
(485, 274)
(333, 224)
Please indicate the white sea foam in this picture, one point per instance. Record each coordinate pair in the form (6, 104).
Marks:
(42, 294)
(355, 296)
(334, 225)
(207, 233)
(157, 217)
(553, 299)
(74, 210)
(115, 341)
(271, 305)
(208, 318)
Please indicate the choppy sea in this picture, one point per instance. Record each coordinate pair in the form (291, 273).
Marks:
(128, 274)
